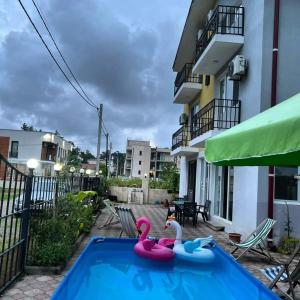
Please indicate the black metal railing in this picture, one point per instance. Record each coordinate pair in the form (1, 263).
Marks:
(224, 20)
(217, 114)
(186, 75)
(180, 138)
(22, 197)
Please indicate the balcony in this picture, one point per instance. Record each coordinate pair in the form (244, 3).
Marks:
(180, 143)
(187, 85)
(219, 114)
(221, 38)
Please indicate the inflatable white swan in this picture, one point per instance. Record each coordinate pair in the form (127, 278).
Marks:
(192, 250)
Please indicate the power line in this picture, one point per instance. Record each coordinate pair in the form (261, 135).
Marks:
(54, 59)
(59, 51)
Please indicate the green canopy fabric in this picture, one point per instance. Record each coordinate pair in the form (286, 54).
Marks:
(271, 138)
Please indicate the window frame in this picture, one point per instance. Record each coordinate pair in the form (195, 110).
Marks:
(11, 149)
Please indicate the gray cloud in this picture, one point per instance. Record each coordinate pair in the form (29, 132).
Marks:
(121, 52)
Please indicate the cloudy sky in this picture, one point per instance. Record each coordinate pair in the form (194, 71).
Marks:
(120, 50)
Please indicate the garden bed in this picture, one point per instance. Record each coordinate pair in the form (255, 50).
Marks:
(56, 233)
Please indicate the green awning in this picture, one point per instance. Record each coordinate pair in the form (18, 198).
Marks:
(271, 138)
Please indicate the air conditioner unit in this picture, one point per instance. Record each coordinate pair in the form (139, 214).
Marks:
(237, 67)
(209, 15)
(199, 33)
(183, 120)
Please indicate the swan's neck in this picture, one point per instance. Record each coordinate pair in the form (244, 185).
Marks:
(178, 233)
(145, 232)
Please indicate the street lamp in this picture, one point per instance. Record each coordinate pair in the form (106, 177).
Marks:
(81, 171)
(32, 164)
(145, 175)
(100, 172)
(57, 168)
(72, 170)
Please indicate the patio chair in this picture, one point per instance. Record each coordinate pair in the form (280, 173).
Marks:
(282, 274)
(128, 222)
(204, 210)
(112, 216)
(189, 210)
(256, 241)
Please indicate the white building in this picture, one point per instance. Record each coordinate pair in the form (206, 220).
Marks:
(18, 146)
(141, 159)
(224, 76)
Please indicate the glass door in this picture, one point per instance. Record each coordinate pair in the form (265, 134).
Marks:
(192, 180)
(223, 204)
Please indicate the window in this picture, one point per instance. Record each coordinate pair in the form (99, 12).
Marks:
(139, 172)
(286, 186)
(207, 80)
(140, 162)
(141, 152)
(14, 149)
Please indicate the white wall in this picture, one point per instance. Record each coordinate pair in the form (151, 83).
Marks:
(245, 198)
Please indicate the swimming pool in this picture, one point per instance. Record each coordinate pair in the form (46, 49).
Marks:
(109, 269)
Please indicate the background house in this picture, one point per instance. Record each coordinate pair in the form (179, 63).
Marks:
(18, 146)
(141, 159)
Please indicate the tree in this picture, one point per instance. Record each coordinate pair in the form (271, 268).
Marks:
(118, 159)
(170, 175)
(74, 158)
(27, 127)
(85, 156)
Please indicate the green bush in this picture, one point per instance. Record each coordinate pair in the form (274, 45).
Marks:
(132, 182)
(53, 233)
(287, 245)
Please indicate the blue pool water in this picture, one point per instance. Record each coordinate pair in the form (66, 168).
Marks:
(111, 270)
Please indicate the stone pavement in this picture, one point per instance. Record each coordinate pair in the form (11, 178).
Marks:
(42, 287)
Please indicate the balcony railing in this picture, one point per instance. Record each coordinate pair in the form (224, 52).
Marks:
(217, 114)
(186, 75)
(224, 20)
(180, 138)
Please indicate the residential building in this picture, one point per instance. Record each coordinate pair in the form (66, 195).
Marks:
(18, 146)
(225, 75)
(160, 158)
(141, 159)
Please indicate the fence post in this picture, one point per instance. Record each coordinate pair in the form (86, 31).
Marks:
(26, 217)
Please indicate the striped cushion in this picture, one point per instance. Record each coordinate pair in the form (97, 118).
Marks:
(272, 272)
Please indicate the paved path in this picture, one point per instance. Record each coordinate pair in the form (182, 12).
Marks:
(42, 287)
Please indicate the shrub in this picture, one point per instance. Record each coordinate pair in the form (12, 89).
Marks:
(287, 245)
(132, 182)
(53, 233)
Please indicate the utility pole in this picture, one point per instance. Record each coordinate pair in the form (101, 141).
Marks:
(106, 156)
(100, 111)
(109, 159)
(117, 163)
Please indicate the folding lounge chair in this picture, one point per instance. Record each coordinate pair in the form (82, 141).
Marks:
(256, 241)
(113, 215)
(128, 222)
(281, 273)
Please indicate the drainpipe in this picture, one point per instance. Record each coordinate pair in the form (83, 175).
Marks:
(274, 98)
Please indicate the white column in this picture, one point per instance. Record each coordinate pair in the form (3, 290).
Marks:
(183, 177)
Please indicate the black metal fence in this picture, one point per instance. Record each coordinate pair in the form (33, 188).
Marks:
(180, 138)
(21, 198)
(186, 75)
(224, 20)
(217, 114)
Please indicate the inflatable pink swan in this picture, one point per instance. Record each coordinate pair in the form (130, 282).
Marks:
(148, 248)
